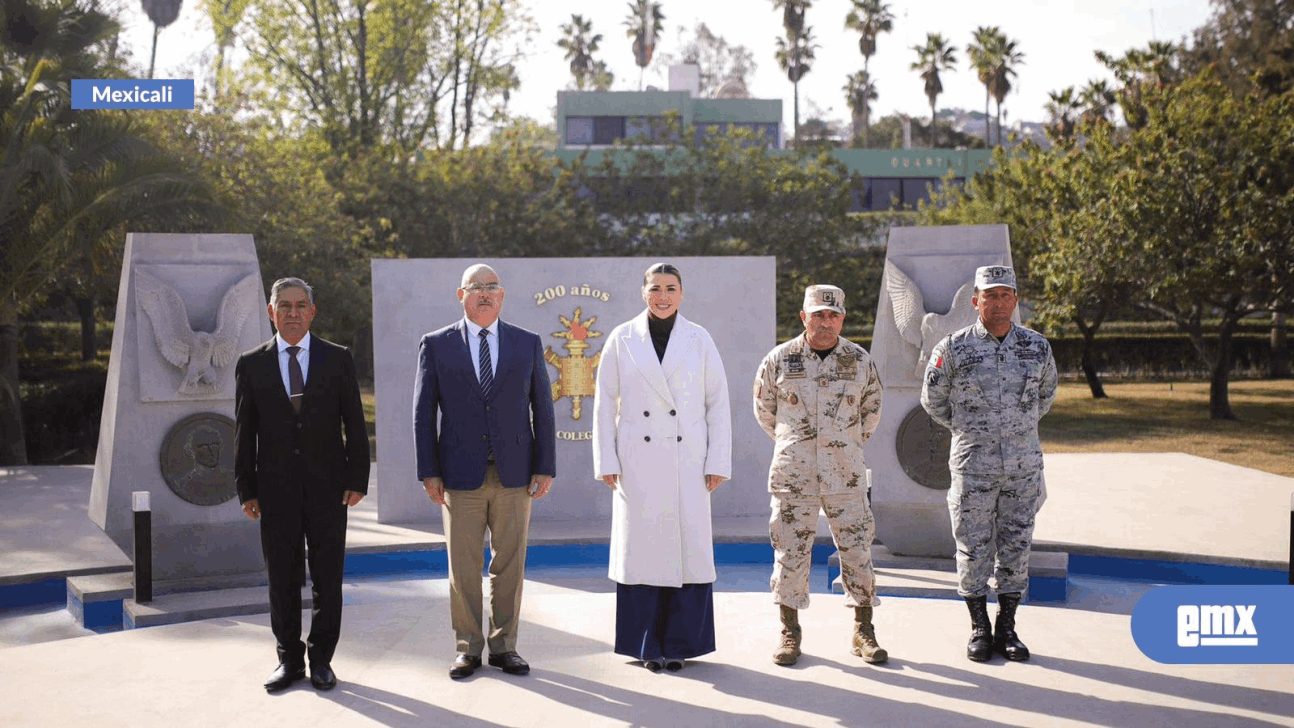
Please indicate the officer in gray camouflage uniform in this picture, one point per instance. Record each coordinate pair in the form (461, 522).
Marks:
(819, 397)
(990, 383)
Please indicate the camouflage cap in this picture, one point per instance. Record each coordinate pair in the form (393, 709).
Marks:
(822, 297)
(994, 276)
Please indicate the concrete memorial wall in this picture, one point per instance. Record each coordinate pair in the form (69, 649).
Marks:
(925, 295)
(572, 303)
(188, 305)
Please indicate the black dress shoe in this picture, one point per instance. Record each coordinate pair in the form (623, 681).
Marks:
(464, 665)
(510, 662)
(283, 677)
(322, 677)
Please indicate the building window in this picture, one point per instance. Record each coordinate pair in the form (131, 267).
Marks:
(607, 129)
(885, 194)
(579, 130)
(916, 190)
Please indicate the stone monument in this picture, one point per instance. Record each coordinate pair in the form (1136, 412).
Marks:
(572, 303)
(188, 305)
(925, 295)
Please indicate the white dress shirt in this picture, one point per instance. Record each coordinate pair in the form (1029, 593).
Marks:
(303, 358)
(474, 343)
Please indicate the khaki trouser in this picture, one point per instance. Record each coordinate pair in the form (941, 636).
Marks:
(792, 528)
(467, 513)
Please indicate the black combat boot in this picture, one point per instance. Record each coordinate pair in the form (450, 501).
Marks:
(980, 647)
(1007, 642)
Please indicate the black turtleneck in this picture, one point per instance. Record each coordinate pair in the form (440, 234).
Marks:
(660, 330)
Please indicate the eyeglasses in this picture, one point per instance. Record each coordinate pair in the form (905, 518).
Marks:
(483, 288)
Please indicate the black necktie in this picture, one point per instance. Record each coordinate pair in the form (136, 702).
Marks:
(296, 382)
(487, 371)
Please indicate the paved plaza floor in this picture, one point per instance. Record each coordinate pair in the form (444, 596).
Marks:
(396, 644)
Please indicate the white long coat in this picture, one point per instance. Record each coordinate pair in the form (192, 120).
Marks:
(662, 426)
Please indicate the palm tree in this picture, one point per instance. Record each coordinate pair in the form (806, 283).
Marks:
(1098, 101)
(869, 18)
(983, 54)
(792, 15)
(860, 92)
(933, 58)
(795, 58)
(162, 13)
(580, 43)
(1061, 109)
(66, 176)
(1008, 57)
(644, 24)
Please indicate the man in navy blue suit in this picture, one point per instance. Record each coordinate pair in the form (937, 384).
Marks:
(492, 450)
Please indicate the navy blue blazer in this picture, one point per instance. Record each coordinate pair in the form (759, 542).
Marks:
(517, 419)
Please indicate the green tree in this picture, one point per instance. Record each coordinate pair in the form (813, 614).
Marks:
(1250, 43)
(1062, 113)
(67, 178)
(935, 57)
(869, 18)
(1008, 57)
(795, 52)
(984, 55)
(1208, 183)
(366, 74)
(1097, 99)
(643, 26)
(225, 15)
(729, 194)
(795, 56)
(860, 92)
(580, 43)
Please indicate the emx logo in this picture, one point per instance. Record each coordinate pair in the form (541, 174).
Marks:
(1216, 624)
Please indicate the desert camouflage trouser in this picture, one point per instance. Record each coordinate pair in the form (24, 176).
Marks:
(993, 517)
(792, 528)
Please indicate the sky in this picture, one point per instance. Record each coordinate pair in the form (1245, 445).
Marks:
(1058, 38)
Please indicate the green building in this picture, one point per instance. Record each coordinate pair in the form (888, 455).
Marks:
(591, 122)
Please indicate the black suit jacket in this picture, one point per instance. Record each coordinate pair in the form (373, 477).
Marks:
(281, 454)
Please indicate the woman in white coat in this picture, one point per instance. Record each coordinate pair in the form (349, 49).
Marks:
(662, 441)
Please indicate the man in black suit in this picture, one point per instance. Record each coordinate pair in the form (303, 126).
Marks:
(491, 451)
(296, 395)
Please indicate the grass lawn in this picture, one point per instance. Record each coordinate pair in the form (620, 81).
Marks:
(1174, 417)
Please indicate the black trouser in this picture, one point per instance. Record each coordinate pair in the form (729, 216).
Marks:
(285, 536)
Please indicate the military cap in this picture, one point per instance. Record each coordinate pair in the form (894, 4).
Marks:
(822, 297)
(994, 276)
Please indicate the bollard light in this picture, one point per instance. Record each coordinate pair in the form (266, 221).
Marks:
(139, 503)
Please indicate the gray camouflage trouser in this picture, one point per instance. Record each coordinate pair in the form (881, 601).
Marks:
(792, 528)
(992, 517)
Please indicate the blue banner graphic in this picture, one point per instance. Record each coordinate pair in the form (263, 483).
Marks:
(130, 93)
(1234, 625)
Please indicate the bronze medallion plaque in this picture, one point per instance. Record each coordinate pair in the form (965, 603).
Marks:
(197, 459)
(922, 446)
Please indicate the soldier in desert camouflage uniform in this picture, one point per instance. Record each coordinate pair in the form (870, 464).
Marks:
(819, 397)
(990, 383)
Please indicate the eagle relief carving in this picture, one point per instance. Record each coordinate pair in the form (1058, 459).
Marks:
(919, 328)
(199, 354)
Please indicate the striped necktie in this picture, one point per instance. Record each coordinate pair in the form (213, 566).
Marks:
(487, 371)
